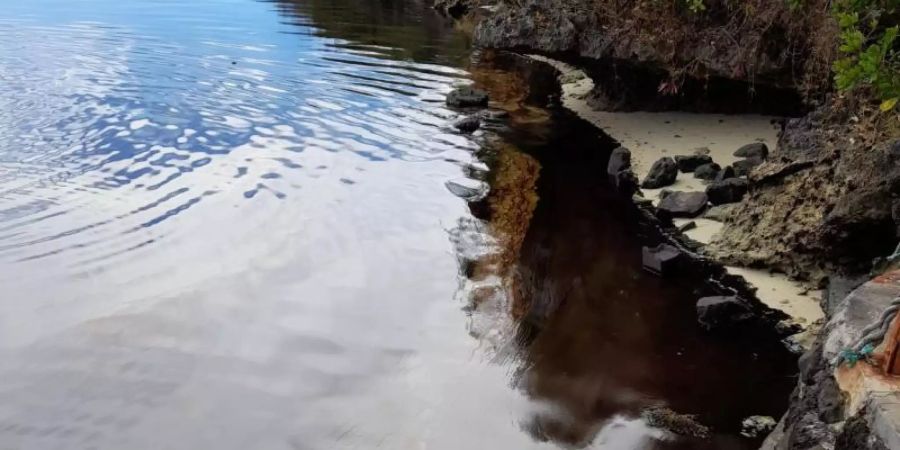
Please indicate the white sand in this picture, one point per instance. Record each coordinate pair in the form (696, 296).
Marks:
(651, 136)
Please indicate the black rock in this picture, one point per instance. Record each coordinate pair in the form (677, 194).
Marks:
(619, 160)
(661, 259)
(721, 311)
(742, 167)
(731, 190)
(726, 173)
(707, 171)
(465, 97)
(688, 163)
(467, 124)
(756, 150)
(625, 181)
(662, 173)
(683, 204)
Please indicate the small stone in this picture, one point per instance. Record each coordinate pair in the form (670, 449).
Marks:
(465, 97)
(619, 160)
(701, 151)
(661, 260)
(688, 163)
(467, 188)
(756, 150)
(742, 167)
(725, 173)
(641, 200)
(707, 171)
(720, 213)
(721, 311)
(467, 124)
(755, 426)
(683, 204)
(662, 174)
(494, 114)
(731, 190)
(687, 226)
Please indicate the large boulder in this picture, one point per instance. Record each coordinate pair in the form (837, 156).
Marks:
(731, 190)
(742, 167)
(688, 163)
(662, 174)
(721, 311)
(466, 97)
(756, 150)
(683, 204)
(707, 171)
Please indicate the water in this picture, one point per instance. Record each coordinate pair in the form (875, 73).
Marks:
(227, 224)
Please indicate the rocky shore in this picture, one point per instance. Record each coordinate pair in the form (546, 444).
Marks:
(809, 204)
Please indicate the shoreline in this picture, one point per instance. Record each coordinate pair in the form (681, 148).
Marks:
(651, 136)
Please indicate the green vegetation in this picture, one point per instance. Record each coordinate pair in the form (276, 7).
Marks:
(869, 58)
(868, 45)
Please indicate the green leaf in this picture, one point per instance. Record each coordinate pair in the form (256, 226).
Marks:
(888, 104)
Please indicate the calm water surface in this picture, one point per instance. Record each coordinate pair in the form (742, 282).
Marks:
(227, 224)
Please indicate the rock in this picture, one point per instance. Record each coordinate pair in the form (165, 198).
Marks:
(707, 171)
(687, 226)
(625, 181)
(661, 260)
(773, 173)
(662, 174)
(754, 426)
(640, 200)
(756, 150)
(830, 401)
(726, 173)
(721, 311)
(683, 204)
(619, 160)
(688, 163)
(453, 8)
(701, 151)
(494, 114)
(467, 124)
(742, 167)
(682, 424)
(720, 213)
(809, 432)
(731, 190)
(465, 97)
(467, 188)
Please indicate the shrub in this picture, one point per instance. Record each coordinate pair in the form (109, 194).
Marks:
(868, 46)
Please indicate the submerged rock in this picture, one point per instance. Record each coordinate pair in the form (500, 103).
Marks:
(731, 190)
(742, 167)
(661, 259)
(756, 150)
(707, 171)
(662, 174)
(467, 124)
(701, 151)
(755, 426)
(689, 163)
(721, 311)
(682, 424)
(683, 204)
(465, 97)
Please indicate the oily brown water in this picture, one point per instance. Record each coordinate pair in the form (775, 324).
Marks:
(240, 224)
